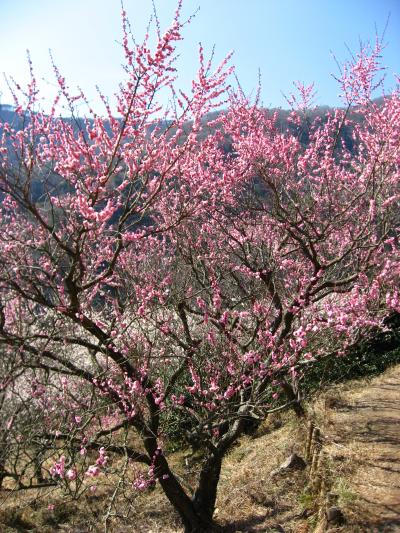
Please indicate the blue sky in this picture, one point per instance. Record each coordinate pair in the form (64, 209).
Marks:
(286, 39)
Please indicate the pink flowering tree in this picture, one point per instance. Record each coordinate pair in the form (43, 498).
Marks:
(148, 275)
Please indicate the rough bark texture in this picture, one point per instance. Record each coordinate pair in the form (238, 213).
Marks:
(194, 520)
(292, 397)
(206, 494)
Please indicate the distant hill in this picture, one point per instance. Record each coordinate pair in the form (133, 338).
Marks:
(8, 114)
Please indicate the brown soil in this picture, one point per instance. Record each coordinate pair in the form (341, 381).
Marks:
(362, 434)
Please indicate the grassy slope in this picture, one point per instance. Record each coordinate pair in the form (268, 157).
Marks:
(360, 424)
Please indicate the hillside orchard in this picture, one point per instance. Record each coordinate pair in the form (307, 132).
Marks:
(167, 277)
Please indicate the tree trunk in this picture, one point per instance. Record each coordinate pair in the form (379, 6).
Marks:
(193, 518)
(206, 493)
(292, 397)
(37, 465)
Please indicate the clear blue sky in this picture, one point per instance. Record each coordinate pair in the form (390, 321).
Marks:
(286, 39)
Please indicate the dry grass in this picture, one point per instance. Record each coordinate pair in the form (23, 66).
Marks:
(249, 498)
(360, 424)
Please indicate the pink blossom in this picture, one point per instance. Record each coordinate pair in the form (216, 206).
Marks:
(58, 469)
(71, 474)
(93, 471)
(102, 458)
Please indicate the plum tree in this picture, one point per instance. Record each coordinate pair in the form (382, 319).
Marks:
(158, 278)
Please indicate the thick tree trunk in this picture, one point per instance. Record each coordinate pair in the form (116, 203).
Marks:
(193, 519)
(206, 493)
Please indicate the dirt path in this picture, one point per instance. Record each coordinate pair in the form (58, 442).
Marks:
(364, 431)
